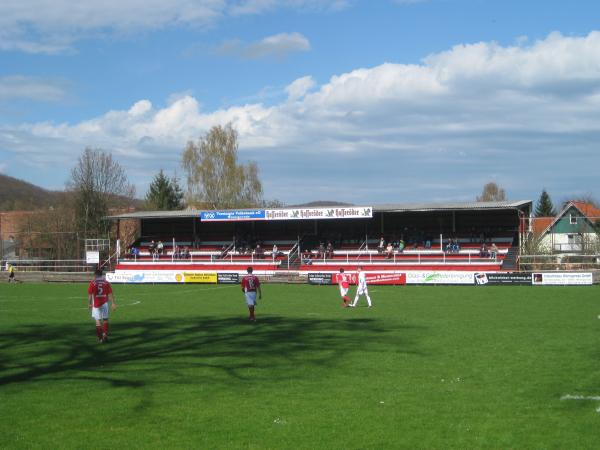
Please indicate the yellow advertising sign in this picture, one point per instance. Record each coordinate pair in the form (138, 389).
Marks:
(196, 277)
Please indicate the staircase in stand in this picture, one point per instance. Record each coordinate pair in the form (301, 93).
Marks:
(510, 260)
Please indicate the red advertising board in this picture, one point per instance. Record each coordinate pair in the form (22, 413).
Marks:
(374, 278)
(386, 278)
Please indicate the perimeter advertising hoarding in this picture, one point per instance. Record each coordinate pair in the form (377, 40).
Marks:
(503, 278)
(320, 278)
(385, 278)
(145, 276)
(171, 276)
(200, 277)
(441, 277)
(372, 278)
(228, 278)
(562, 279)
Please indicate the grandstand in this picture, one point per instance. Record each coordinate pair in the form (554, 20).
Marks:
(438, 236)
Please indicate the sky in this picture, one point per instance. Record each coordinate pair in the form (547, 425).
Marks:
(364, 102)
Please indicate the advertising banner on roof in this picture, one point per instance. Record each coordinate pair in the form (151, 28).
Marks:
(233, 215)
(352, 212)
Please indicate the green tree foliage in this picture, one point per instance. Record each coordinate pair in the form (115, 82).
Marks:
(164, 194)
(215, 180)
(492, 193)
(98, 183)
(544, 206)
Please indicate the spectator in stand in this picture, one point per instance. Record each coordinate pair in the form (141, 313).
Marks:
(329, 250)
(152, 248)
(455, 246)
(135, 252)
(223, 252)
(185, 254)
(448, 247)
(483, 251)
(160, 248)
(427, 242)
(493, 251)
(381, 246)
(259, 252)
(389, 251)
(275, 252)
(321, 252)
(307, 257)
(401, 245)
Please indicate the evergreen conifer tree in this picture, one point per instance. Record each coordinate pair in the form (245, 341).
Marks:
(164, 194)
(544, 206)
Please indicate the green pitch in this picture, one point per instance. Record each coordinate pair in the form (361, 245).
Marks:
(427, 367)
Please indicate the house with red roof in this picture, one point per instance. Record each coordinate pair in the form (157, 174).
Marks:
(576, 229)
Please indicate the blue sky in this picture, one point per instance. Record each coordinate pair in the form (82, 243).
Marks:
(358, 101)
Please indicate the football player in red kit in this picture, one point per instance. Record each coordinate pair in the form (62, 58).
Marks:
(343, 280)
(250, 287)
(99, 294)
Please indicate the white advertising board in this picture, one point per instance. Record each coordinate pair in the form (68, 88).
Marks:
(92, 257)
(562, 279)
(439, 277)
(145, 276)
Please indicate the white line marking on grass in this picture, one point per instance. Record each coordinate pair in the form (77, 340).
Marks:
(593, 398)
(580, 397)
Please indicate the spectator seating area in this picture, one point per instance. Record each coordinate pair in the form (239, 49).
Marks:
(468, 256)
(184, 254)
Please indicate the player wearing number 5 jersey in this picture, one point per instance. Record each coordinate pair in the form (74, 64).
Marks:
(250, 287)
(99, 294)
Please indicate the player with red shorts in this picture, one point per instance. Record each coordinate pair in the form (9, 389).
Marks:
(99, 294)
(250, 287)
(343, 280)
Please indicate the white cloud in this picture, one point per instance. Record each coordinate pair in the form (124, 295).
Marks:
(278, 45)
(300, 87)
(31, 88)
(51, 26)
(259, 6)
(526, 114)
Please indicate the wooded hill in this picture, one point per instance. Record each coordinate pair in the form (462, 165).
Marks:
(17, 194)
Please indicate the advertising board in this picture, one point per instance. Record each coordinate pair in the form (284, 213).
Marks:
(522, 278)
(199, 277)
(320, 278)
(232, 216)
(439, 277)
(386, 278)
(228, 278)
(562, 279)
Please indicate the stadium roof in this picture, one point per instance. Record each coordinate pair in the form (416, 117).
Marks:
(451, 206)
(400, 207)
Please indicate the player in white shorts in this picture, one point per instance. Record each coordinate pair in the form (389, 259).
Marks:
(343, 280)
(99, 295)
(361, 288)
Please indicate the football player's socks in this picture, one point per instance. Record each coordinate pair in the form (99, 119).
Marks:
(99, 331)
(105, 327)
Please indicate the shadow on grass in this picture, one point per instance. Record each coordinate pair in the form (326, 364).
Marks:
(192, 350)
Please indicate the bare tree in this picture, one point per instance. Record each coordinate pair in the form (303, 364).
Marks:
(492, 193)
(214, 177)
(98, 183)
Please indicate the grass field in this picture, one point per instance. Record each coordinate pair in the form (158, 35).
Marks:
(427, 367)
